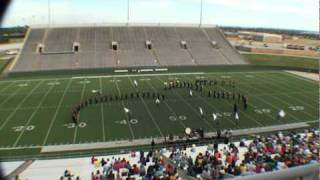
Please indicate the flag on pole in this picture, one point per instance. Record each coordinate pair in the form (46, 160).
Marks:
(135, 83)
(126, 110)
(281, 113)
(214, 116)
(236, 116)
(201, 111)
(191, 93)
(165, 84)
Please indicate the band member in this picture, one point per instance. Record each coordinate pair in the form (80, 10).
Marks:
(190, 93)
(157, 102)
(235, 108)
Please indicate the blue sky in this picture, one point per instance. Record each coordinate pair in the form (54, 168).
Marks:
(289, 14)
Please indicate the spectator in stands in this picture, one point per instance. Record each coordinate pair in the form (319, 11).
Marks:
(93, 159)
(262, 154)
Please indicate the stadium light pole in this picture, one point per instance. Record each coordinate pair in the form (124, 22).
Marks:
(201, 9)
(128, 12)
(49, 13)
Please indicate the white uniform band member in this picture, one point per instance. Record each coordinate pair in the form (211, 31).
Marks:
(135, 83)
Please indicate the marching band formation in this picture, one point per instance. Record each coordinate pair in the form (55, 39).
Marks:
(192, 87)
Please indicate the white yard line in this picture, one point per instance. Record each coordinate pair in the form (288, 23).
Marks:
(192, 108)
(76, 127)
(102, 113)
(266, 102)
(123, 106)
(8, 97)
(56, 113)
(148, 111)
(307, 113)
(231, 105)
(5, 88)
(167, 105)
(133, 75)
(299, 77)
(89, 144)
(32, 115)
(136, 75)
(19, 105)
(69, 106)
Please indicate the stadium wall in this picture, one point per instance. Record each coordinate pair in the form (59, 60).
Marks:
(130, 70)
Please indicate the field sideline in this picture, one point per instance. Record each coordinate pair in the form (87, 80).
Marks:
(37, 112)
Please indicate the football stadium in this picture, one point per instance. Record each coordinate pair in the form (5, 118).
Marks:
(153, 102)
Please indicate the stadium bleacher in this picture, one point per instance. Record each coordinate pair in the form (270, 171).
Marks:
(257, 158)
(95, 50)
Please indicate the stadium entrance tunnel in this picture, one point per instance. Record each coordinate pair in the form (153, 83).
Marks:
(114, 45)
(148, 45)
(40, 48)
(76, 47)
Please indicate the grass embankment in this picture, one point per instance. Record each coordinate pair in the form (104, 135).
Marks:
(283, 61)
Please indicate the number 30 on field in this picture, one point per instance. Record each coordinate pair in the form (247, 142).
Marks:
(73, 125)
(23, 128)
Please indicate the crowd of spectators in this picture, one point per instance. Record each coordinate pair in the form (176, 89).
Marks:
(247, 157)
(149, 167)
(217, 161)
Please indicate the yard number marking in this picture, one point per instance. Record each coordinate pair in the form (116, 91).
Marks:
(53, 83)
(124, 122)
(262, 111)
(85, 82)
(180, 117)
(226, 77)
(201, 77)
(21, 128)
(23, 85)
(73, 125)
(296, 108)
(225, 114)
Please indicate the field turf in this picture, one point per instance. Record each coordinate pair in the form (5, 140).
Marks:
(37, 112)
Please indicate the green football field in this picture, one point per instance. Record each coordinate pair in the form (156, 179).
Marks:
(37, 112)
